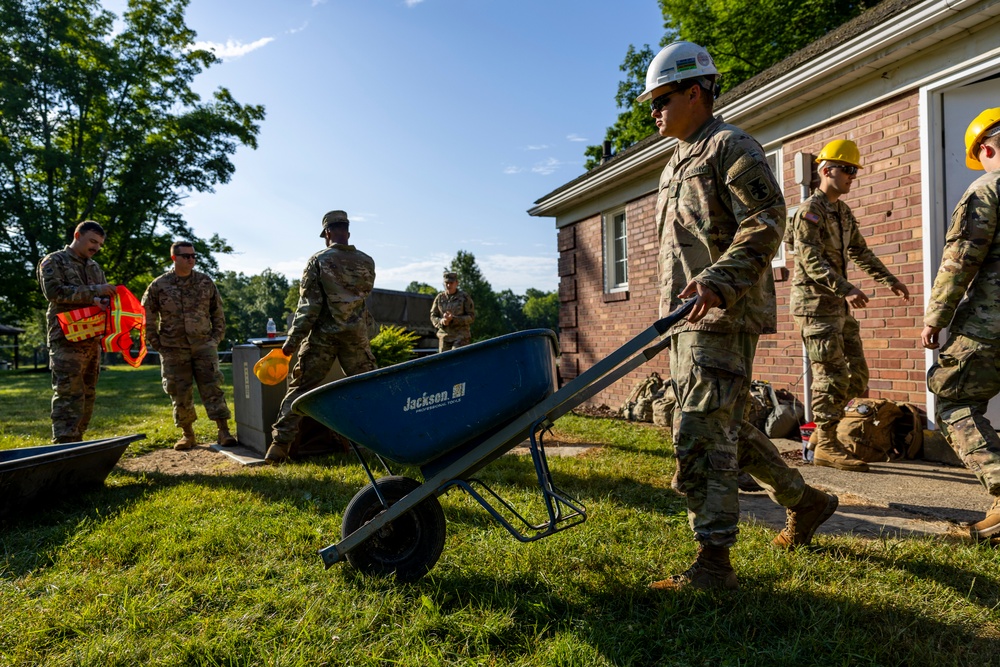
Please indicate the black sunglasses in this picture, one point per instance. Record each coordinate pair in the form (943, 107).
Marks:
(848, 169)
(186, 255)
(663, 100)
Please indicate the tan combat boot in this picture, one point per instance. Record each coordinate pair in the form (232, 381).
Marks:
(802, 520)
(711, 571)
(276, 453)
(989, 527)
(225, 438)
(829, 453)
(187, 441)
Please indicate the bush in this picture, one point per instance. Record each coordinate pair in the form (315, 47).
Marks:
(393, 345)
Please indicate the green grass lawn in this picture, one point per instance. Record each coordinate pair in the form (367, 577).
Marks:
(223, 570)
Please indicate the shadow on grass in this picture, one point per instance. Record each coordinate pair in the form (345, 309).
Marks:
(759, 625)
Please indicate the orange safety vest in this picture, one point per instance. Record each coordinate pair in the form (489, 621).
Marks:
(114, 325)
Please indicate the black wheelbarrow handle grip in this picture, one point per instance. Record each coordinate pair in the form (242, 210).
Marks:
(663, 324)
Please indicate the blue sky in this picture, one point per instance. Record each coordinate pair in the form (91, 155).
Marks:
(434, 123)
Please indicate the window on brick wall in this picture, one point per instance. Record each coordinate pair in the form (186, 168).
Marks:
(773, 157)
(615, 251)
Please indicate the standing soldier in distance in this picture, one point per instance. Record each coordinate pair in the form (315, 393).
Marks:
(720, 218)
(70, 279)
(452, 314)
(967, 373)
(826, 235)
(330, 324)
(185, 324)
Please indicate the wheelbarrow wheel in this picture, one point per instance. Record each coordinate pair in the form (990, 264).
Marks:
(409, 546)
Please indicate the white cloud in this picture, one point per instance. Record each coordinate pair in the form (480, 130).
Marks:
(232, 48)
(546, 167)
(413, 3)
(536, 147)
(575, 137)
(317, 3)
(292, 31)
(513, 170)
(513, 272)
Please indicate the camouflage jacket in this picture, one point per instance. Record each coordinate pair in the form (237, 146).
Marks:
(67, 281)
(720, 217)
(332, 293)
(825, 235)
(459, 305)
(183, 312)
(970, 265)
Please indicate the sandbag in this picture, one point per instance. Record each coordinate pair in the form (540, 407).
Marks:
(867, 428)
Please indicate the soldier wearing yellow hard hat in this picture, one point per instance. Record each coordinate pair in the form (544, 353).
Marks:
(966, 299)
(826, 236)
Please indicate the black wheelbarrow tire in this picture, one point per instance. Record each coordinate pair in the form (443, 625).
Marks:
(409, 546)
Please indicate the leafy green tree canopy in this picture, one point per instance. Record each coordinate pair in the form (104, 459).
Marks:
(416, 287)
(250, 300)
(745, 37)
(98, 120)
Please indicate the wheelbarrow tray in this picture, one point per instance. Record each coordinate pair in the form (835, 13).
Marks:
(30, 476)
(417, 412)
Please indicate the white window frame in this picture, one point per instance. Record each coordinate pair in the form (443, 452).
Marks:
(775, 154)
(611, 258)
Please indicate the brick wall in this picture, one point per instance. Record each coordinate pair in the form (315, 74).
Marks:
(886, 200)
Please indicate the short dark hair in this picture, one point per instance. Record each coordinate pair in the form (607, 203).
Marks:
(89, 226)
(993, 141)
(178, 245)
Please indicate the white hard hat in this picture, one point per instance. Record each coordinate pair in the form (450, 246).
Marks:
(677, 62)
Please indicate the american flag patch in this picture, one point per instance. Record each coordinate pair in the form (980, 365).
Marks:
(811, 217)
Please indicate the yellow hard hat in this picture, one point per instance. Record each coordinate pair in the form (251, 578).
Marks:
(272, 368)
(841, 150)
(973, 135)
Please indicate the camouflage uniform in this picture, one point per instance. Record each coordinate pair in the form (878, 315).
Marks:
(185, 324)
(68, 281)
(720, 217)
(330, 324)
(967, 373)
(825, 236)
(458, 332)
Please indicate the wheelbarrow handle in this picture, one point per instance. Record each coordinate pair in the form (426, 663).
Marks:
(664, 324)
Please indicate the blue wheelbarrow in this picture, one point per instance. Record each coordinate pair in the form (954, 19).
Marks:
(450, 415)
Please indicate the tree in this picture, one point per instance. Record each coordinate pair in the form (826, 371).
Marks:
(745, 37)
(250, 300)
(512, 311)
(634, 123)
(541, 309)
(489, 318)
(421, 288)
(98, 120)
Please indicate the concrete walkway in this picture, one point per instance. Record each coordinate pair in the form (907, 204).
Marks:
(896, 498)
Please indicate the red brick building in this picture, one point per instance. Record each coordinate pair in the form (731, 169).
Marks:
(903, 81)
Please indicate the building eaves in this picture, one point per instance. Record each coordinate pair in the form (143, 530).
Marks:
(654, 145)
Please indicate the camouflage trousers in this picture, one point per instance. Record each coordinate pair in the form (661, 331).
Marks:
(711, 375)
(964, 379)
(180, 369)
(837, 360)
(316, 357)
(454, 339)
(75, 368)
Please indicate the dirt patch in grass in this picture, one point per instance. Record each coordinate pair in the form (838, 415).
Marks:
(198, 461)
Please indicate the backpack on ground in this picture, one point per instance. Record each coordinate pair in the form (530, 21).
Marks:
(663, 407)
(771, 411)
(867, 428)
(639, 404)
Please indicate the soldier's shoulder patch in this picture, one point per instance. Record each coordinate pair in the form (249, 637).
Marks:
(810, 216)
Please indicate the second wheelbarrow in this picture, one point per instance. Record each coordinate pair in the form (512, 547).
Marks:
(450, 415)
